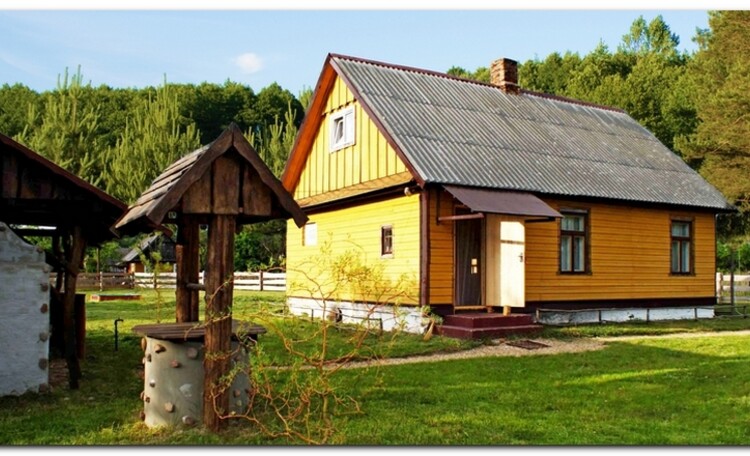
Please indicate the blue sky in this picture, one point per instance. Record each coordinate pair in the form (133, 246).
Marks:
(137, 48)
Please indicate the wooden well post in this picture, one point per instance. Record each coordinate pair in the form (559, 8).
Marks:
(218, 319)
(188, 268)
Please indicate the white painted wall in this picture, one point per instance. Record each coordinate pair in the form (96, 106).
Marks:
(550, 317)
(24, 328)
(403, 318)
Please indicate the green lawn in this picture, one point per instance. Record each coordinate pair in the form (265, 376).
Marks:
(671, 391)
(648, 328)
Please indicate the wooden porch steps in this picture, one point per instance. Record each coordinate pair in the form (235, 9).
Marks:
(487, 326)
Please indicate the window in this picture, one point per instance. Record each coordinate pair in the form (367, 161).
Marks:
(386, 240)
(341, 129)
(681, 234)
(573, 243)
(310, 234)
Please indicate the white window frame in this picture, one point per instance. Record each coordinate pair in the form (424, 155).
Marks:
(341, 129)
(310, 234)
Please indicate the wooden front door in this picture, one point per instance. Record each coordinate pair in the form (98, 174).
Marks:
(468, 267)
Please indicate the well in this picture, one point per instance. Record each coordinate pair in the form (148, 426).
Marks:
(173, 372)
(223, 186)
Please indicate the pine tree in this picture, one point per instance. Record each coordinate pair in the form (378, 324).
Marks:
(67, 132)
(155, 136)
(275, 141)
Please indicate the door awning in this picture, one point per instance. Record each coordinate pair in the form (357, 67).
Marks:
(503, 202)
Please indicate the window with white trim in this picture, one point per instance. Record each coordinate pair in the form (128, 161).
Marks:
(310, 234)
(341, 128)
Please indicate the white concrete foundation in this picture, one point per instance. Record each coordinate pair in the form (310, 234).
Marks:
(551, 317)
(375, 316)
(24, 316)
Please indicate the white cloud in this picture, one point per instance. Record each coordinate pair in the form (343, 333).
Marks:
(249, 62)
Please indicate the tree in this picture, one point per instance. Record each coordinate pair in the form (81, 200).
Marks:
(481, 74)
(263, 245)
(652, 38)
(67, 132)
(14, 106)
(720, 77)
(273, 103)
(305, 97)
(153, 138)
(213, 107)
(550, 75)
(274, 141)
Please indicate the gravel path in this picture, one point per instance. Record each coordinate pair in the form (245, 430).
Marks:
(552, 346)
(499, 349)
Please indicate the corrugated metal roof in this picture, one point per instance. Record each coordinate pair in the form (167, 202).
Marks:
(458, 132)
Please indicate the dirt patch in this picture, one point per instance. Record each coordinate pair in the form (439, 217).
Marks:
(527, 344)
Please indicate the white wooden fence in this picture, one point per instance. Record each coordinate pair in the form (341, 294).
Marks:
(254, 281)
(725, 290)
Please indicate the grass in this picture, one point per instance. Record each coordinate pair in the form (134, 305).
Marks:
(668, 391)
(264, 308)
(648, 328)
(644, 392)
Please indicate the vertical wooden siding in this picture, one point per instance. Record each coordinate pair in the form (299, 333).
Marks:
(357, 229)
(368, 159)
(629, 252)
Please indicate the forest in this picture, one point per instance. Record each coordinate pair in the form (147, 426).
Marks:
(120, 139)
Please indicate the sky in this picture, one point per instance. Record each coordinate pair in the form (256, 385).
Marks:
(147, 42)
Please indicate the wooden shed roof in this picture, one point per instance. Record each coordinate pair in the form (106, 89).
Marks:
(167, 190)
(36, 191)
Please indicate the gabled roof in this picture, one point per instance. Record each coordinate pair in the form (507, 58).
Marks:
(452, 131)
(36, 191)
(168, 188)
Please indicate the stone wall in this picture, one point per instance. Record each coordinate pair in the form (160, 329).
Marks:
(24, 316)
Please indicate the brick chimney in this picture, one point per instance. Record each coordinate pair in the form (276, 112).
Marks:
(504, 74)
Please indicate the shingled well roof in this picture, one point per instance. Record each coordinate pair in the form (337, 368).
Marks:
(458, 132)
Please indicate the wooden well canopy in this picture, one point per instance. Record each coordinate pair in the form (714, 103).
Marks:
(39, 198)
(223, 185)
(226, 177)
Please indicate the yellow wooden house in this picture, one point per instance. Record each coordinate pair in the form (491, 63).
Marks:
(489, 197)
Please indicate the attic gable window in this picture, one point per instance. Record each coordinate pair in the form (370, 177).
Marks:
(341, 129)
